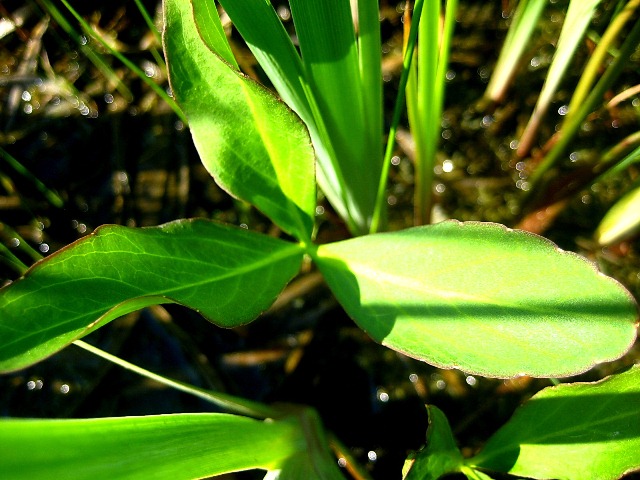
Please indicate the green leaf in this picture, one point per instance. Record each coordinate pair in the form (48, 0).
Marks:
(335, 88)
(441, 455)
(481, 298)
(182, 446)
(249, 141)
(315, 462)
(228, 274)
(573, 431)
(622, 220)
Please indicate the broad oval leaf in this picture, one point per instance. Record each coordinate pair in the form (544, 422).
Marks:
(182, 446)
(481, 298)
(228, 274)
(251, 143)
(575, 431)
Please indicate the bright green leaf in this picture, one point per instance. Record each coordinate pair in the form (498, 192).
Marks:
(441, 455)
(481, 298)
(171, 447)
(228, 274)
(576, 431)
(249, 141)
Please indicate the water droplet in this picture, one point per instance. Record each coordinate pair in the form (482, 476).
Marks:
(395, 160)
(372, 456)
(450, 75)
(441, 385)
(563, 110)
(14, 242)
(64, 389)
(447, 166)
(284, 13)
(413, 378)
(26, 96)
(28, 109)
(471, 381)
(43, 247)
(108, 98)
(382, 395)
(319, 210)
(342, 462)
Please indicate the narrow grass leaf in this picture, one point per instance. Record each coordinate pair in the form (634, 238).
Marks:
(578, 17)
(440, 455)
(228, 274)
(172, 447)
(329, 50)
(249, 141)
(481, 298)
(523, 24)
(572, 431)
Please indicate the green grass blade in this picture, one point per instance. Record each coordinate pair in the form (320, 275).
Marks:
(249, 141)
(239, 406)
(571, 125)
(330, 57)
(128, 63)
(52, 197)
(524, 22)
(577, 19)
(596, 59)
(476, 296)
(572, 431)
(229, 275)
(181, 446)
(433, 58)
(397, 111)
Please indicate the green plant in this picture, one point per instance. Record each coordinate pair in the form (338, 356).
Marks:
(472, 296)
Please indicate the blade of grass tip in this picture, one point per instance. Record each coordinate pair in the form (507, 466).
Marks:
(154, 31)
(524, 22)
(397, 111)
(233, 404)
(571, 126)
(578, 16)
(52, 197)
(87, 51)
(597, 58)
(128, 63)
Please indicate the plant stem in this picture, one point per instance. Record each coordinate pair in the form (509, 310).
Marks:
(397, 110)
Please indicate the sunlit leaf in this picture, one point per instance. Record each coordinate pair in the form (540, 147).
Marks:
(228, 274)
(575, 431)
(622, 220)
(249, 141)
(481, 298)
(440, 455)
(171, 447)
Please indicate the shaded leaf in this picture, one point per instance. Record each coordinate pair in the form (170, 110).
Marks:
(171, 447)
(441, 455)
(481, 298)
(250, 142)
(228, 274)
(576, 431)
